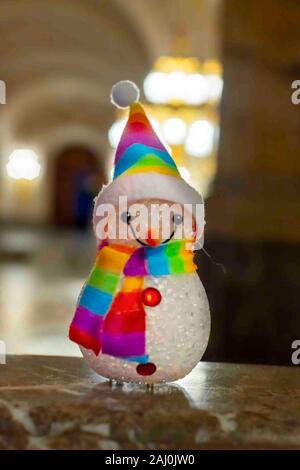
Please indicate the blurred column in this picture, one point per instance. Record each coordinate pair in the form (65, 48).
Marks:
(253, 222)
(257, 190)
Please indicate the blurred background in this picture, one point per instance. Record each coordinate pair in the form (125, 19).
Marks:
(215, 77)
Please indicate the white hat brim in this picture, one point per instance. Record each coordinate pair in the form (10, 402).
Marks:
(152, 185)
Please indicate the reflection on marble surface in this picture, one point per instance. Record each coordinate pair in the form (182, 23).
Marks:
(57, 403)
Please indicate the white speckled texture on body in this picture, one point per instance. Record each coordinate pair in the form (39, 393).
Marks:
(177, 333)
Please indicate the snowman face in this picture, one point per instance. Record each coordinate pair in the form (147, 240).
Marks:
(153, 222)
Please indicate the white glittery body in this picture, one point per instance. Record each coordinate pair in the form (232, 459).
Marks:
(177, 333)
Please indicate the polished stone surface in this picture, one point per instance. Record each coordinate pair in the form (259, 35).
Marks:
(57, 403)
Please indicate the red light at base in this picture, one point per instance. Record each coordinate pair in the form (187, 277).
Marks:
(146, 369)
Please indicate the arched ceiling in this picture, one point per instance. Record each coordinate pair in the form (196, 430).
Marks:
(59, 58)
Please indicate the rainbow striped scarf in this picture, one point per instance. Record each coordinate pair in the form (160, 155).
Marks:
(110, 315)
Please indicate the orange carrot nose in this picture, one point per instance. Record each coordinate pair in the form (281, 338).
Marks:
(152, 237)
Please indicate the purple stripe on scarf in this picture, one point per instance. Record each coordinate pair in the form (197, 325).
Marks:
(123, 345)
(86, 321)
(136, 265)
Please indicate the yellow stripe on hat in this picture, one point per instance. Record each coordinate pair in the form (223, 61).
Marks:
(152, 169)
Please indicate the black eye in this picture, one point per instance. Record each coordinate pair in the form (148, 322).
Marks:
(126, 217)
(177, 219)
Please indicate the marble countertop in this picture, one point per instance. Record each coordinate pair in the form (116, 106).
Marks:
(58, 403)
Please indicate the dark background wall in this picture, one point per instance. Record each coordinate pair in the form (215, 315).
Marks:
(254, 303)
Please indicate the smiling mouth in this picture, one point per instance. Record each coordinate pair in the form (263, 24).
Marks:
(146, 244)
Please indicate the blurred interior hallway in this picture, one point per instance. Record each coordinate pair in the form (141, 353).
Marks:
(58, 83)
(41, 274)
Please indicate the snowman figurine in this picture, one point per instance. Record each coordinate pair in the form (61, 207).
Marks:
(143, 315)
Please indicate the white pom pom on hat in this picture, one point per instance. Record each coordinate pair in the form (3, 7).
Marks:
(124, 93)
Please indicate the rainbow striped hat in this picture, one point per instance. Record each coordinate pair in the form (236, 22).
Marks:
(144, 169)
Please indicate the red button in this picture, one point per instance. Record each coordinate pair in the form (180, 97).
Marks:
(151, 297)
(146, 369)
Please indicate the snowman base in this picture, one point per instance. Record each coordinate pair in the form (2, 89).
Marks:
(118, 384)
(177, 335)
(118, 371)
